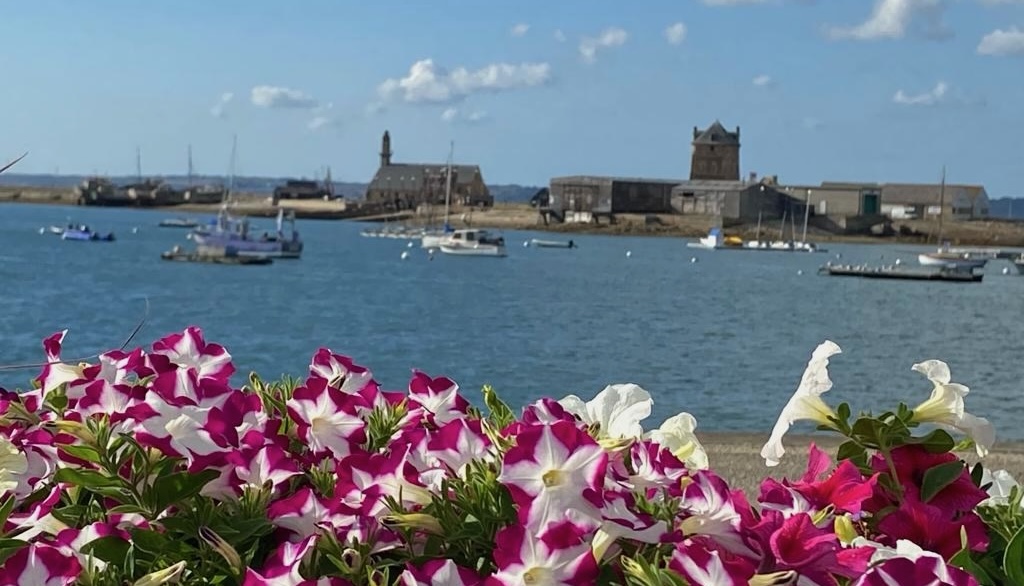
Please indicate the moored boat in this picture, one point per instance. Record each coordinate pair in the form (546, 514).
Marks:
(716, 240)
(84, 233)
(473, 242)
(538, 243)
(226, 256)
(179, 223)
(228, 232)
(957, 260)
(947, 274)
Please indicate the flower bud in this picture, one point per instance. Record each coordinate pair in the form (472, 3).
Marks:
(222, 547)
(774, 579)
(844, 529)
(168, 575)
(377, 578)
(352, 559)
(415, 521)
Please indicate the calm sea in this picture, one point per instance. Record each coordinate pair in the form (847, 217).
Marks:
(725, 338)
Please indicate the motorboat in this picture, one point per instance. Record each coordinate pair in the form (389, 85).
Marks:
(179, 223)
(716, 240)
(538, 243)
(956, 260)
(473, 242)
(228, 232)
(84, 233)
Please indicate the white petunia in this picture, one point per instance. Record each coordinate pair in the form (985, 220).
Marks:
(617, 410)
(945, 407)
(677, 434)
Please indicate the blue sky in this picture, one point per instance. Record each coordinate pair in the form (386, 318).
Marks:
(529, 89)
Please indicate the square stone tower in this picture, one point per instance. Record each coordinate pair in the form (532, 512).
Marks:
(716, 154)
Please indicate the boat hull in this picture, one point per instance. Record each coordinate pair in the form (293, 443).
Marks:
(83, 236)
(251, 248)
(478, 250)
(960, 263)
(949, 276)
(552, 244)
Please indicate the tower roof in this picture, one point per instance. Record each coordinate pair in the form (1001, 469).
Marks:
(716, 134)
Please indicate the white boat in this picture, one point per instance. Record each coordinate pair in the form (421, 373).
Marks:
(956, 260)
(432, 239)
(538, 243)
(716, 240)
(473, 242)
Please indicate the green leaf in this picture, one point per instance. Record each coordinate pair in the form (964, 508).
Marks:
(843, 412)
(86, 453)
(150, 541)
(86, 478)
(500, 413)
(936, 442)
(5, 511)
(976, 474)
(1013, 559)
(110, 549)
(12, 543)
(939, 477)
(177, 487)
(851, 450)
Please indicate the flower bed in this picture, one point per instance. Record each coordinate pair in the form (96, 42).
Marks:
(148, 468)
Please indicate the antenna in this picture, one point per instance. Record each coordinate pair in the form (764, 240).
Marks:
(138, 163)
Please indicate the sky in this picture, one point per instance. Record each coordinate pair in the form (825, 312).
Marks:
(840, 90)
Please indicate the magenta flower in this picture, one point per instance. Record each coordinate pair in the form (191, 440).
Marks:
(282, 567)
(558, 556)
(701, 561)
(911, 463)
(710, 508)
(546, 411)
(437, 398)
(439, 572)
(339, 372)
(845, 488)
(188, 350)
(795, 543)
(326, 418)
(651, 467)
(458, 443)
(267, 465)
(923, 570)
(365, 481)
(40, 565)
(552, 469)
(932, 528)
(56, 373)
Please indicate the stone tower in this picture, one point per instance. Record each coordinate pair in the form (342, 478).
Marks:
(385, 150)
(716, 154)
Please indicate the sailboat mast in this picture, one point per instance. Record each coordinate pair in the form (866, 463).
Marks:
(942, 202)
(138, 163)
(448, 184)
(231, 167)
(807, 215)
(190, 165)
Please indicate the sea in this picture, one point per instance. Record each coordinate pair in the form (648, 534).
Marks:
(723, 335)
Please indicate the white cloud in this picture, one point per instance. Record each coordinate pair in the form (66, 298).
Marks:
(610, 37)
(762, 80)
(520, 29)
(454, 116)
(321, 122)
(929, 98)
(1002, 42)
(219, 110)
(890, 19)
(268, 96)
(559, 35)
(675, 33)
(427, 82)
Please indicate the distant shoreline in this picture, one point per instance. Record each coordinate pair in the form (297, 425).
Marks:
(520, 216)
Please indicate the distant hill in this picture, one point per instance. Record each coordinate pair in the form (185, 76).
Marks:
(502, 193)
(1006, 207)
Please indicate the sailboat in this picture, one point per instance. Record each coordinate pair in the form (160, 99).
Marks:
(433, 239)
(946, 257)
(803, 245)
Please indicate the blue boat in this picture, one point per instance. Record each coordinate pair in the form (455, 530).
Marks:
(85, 233)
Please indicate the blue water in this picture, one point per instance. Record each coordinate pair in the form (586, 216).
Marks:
(725, 338)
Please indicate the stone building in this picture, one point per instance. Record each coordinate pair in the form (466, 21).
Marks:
(405, 186)
(716, 154)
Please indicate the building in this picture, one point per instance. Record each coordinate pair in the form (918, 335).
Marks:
(838, 199)
(913, 200)
(405, 186)
(716, 154)
(604, 196)
(732, 201)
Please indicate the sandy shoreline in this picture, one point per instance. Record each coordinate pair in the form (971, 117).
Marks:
(736, 457)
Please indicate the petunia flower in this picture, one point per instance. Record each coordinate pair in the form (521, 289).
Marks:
(1001, 484)
(40, 564)
(13, 466)
(552, 469)
(945, 407)
(326, 418)
(844, 488)
(558, 556)
(56, 373)
(933, 528)
(616, 411)
(702, 561)
(677, 434)
(930, 570)
(806, 402)
(438, 572)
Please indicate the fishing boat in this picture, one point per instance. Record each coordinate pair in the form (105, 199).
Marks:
(538, 243)
(473, 242)
(957, 260)
(228, 232)
(226, 256)
(84, 233)
(179, 223)
(433, 238)
(947, 274)
(715, 240)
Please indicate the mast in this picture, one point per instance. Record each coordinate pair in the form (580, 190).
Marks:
(758, 236)
(138, 163)
(807, 215)
(448, 186)
(782, 226)
(190, 165)
(942, 202)
(231, 167)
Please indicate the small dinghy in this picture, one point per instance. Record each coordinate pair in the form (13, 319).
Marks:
(86, 234)
(538, 243)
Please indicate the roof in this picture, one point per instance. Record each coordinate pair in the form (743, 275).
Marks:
(716, 185)
(601, 178)
(412, 176)
(717, 134)
(923, 193)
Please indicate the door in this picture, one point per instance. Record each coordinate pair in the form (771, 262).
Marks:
(871, 204)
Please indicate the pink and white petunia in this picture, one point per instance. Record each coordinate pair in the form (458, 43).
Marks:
(560, 555)
(326, 418)
(439, 572)
(552, 469)
(458, 443)
(56, 373)
(282, 567)
(188, 350)
(701, 561)
(40, 564)
(710, 508)
(340, 372)
(437, 398)
(266, 465)
(933, 571)
(186, 431)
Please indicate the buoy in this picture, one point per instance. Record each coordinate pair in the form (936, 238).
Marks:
(1006, 271)
(693, 259)
(839, 255)
(898, 261)
(409, 245)
(135, 230)
(405, 254)
(42, 230)
(629, 253)
(800, 272)
(526, 243)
